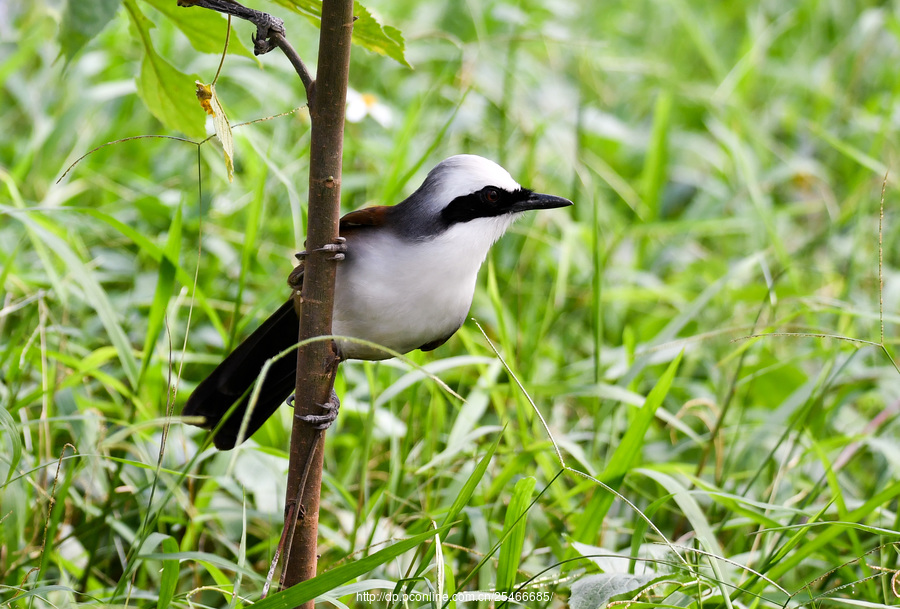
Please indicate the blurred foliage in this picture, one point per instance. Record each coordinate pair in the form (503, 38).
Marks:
(727, 161)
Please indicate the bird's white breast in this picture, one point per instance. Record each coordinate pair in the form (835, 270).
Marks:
(404, 294)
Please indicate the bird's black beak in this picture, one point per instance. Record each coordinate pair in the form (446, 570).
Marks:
(538, 201)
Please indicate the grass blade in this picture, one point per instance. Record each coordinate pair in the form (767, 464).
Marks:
(514, 530)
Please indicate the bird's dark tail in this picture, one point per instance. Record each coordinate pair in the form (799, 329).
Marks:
(232, 381)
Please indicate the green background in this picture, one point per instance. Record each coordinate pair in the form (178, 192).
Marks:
(727, 163)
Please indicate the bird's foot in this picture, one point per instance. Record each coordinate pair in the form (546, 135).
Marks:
(338, 249)
(320, 421)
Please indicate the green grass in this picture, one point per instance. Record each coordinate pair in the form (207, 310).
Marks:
(727, 162)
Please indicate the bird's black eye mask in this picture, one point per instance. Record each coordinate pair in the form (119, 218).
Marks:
(488, 202)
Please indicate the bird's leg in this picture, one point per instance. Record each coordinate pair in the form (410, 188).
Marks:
(324, 421)
(320, 421)
(338, 249)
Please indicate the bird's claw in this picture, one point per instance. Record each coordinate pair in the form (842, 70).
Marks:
(320, 421)
(338, 249)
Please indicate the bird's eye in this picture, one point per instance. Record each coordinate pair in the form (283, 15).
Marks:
(492, 195)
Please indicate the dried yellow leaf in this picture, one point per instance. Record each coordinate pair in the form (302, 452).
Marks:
(210, 102)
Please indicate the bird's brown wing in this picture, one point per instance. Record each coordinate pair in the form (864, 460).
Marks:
(363, 218)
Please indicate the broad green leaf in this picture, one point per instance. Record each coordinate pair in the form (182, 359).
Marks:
(311, 9)
(168, 93)
(597, 590)
(165, 91)
(367, 32)
(82, 21)
(382, 39)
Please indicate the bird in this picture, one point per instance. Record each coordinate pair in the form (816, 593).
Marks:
(405, 280)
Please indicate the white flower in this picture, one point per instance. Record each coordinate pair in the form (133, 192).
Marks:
(361, 105)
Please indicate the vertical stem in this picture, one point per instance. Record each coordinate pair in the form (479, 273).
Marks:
(317, 362)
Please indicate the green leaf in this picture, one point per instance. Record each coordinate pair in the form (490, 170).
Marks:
(169, 578)
(367, 31)
(169, 94)
(655, 166)
(81, 21)
(209, 560)
(311, 9)
(693, 512)
(597, 590)
(514, 526)
(628, 451)
(382, 39)
(469, 487)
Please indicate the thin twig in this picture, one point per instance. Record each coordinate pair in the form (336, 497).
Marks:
(300, 67)
(287, 533)
(128, 139)
(197, 143)
(224, 50)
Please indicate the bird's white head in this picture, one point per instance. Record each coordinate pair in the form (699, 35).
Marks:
(468, 190)
(464, 174)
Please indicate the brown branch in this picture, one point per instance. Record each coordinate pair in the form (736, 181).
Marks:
(317, 360)
(269, 34)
